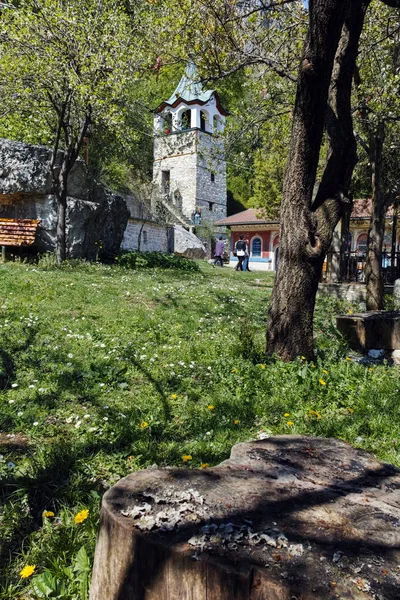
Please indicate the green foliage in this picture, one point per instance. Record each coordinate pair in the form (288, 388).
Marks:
(152, 260)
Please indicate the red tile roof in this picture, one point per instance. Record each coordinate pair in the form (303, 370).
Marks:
(251, 216)
(362, 209)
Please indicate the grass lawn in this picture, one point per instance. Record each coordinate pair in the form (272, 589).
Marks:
(104, 371)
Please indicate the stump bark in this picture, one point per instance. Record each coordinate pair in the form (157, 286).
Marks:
(284, 518)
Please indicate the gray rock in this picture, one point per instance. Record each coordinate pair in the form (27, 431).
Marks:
(187, 244)
(96, 218)
(396, 357)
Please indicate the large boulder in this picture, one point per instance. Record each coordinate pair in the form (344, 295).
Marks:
(187, 244)
(96, 217)
(284, 518)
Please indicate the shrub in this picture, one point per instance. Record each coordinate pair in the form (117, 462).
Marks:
(151, 260)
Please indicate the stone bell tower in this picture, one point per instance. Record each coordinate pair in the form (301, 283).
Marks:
(189, 171)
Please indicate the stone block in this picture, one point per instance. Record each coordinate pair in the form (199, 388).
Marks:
(285, 517)
(378, 330)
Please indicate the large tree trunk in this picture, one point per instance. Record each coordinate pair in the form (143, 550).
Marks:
(61, 193)
(376, 233)
(306, 227)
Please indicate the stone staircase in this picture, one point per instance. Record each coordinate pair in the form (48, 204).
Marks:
(173, 214)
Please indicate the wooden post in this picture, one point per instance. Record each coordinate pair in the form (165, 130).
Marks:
(3, 253)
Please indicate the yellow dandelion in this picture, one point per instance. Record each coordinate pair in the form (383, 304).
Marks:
(144, 424)
(210, 407)
(131, 457)
(348, 358)
(322, 382)
(234, 371)
(27, 571)
(350, 312)
(236, 421)
(81, 516)
(204, 465)
(186, 457)
(314, 413)
(289, 423)
(262, 366)
(326, 372)
(48, 513)
(286, 415)
(351, 410)
(173, 396)
(370, 369)
(313, 367)
(303, 358)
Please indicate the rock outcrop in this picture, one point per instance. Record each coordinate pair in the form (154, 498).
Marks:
(96, 217)
(285, 517)
(187, 244)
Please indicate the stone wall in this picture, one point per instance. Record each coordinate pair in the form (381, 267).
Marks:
(193, 158)
(154, 237)
(96, 217)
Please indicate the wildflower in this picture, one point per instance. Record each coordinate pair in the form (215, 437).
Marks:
(27, 571)
(70, 355)
(322, 382)
(314, 413)
(11, 401)
(210, 407)
(186, 457)
(35, 424)
(14, 385)
(289, 423)
(236, 421)
(303, 358)
(48, 514)
(348, 358)
(173, 396)
(234, 370)
(204, 465)
(81, 516)
(313, 366)
(326, 372)
(286, 415)
(69, 419)
(350, 312)
(144, 424)
(351, 410)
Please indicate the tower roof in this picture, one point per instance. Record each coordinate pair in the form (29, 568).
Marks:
(190, 91)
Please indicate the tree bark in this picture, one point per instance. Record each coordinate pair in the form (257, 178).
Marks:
(326, 70)
(376, 232)
(61, 192)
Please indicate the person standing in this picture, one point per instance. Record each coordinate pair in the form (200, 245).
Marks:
(219, 253)
(240, 250)
(246, 256)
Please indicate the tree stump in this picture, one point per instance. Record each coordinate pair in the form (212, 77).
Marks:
(285, 518)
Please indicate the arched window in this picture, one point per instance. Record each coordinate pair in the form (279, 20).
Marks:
(185, 120)
(362, 243)
(203, 121)
(256, 246)
(168, 123)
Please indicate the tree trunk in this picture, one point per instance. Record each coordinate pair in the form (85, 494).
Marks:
(61, 192)
(306, 227)
(373, 265)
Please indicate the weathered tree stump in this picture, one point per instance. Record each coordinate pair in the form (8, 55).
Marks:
(284, 518)
(378, 329)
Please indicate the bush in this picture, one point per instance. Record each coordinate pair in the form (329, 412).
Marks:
(151, 260)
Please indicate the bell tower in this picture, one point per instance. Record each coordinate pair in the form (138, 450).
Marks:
(189, 171)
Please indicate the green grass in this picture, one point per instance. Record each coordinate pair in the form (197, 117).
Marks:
(104, 371)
